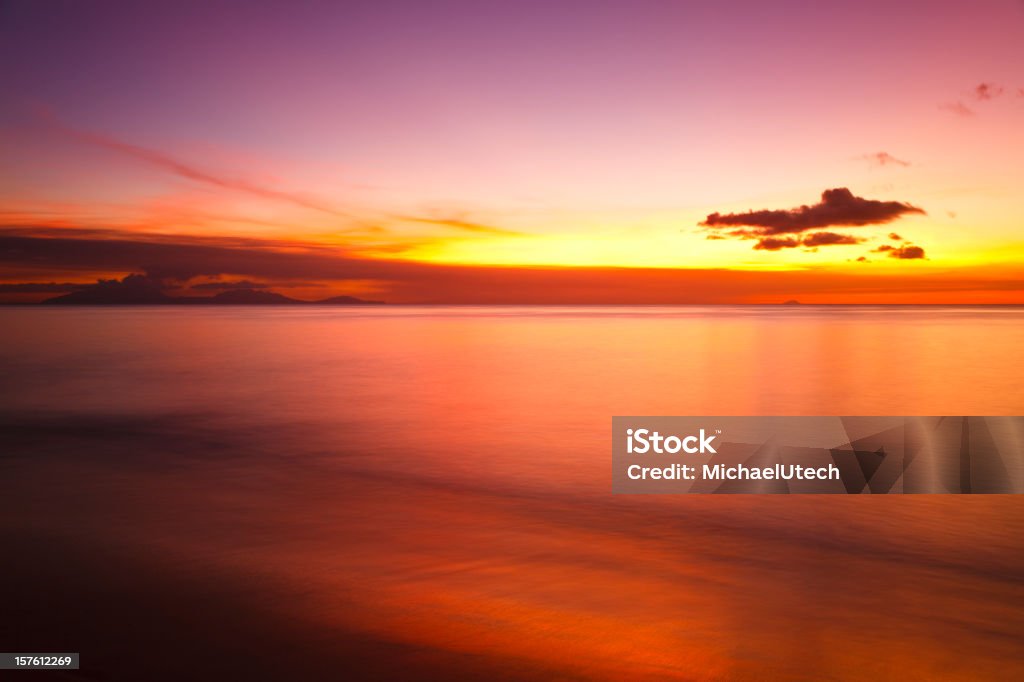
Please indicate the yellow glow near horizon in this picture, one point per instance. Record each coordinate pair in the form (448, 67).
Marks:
(670, 250)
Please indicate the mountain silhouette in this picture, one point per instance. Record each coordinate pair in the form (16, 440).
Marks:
(347, 300)
(133, 289)
(251, 296)
(143, 290)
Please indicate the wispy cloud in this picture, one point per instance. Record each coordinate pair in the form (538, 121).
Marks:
(460, 224)
(958, 108)
(188, 170)
(881, 159)
(981, 93)
(986, 91)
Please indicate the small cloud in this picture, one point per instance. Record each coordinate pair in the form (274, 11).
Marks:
(829, 239)
(908, 252)
(776, 243)
(862, 259)
(895, 237)
(882, 159)
(986, 91)
(905, 252)
(958, 108)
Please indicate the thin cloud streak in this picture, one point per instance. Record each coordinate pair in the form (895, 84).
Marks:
(882, 159)
(464, 225)
(163, 161)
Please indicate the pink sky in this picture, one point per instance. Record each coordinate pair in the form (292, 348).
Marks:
(550, 134)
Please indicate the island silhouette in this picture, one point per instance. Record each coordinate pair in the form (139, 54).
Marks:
(144, 290)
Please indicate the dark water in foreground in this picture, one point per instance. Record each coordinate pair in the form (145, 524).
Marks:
(423, 493)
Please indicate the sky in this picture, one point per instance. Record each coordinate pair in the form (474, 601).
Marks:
(478, 152)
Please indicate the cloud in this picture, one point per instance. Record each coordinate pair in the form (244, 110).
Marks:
(958, 108)
(895, 237)
(884, 159)
(986, 91)
(78, 256)
(811, 241)
(228, 285)
(167, 162)
(905, 252)
(135, 288)
(464, 225)
(830, 239)
(39, 287)
(180, 258)
(837, 207)
(776, 243)
(982, 92)
(908, 252)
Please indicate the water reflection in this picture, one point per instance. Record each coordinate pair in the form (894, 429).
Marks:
(424, 493)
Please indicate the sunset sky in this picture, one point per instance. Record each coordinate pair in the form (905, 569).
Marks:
(578, 152)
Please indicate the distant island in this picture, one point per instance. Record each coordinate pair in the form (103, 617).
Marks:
(137, 290)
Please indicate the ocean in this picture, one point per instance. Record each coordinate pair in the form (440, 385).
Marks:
(424, 492)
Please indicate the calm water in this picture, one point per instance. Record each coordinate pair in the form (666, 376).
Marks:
(423, 492)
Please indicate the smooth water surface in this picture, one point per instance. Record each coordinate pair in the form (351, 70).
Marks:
(424, 493)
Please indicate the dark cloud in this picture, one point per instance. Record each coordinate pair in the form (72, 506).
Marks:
(829, 239)
(49, 258)
(134, 288)
(776, 243)
(239, 285)
(228, 286)
(39, 287)
(905, 252)
(895, 237)
(885, 159)
(908, 252)
(811, 241)
(181, 258)
(986, 91)
(837, 207)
